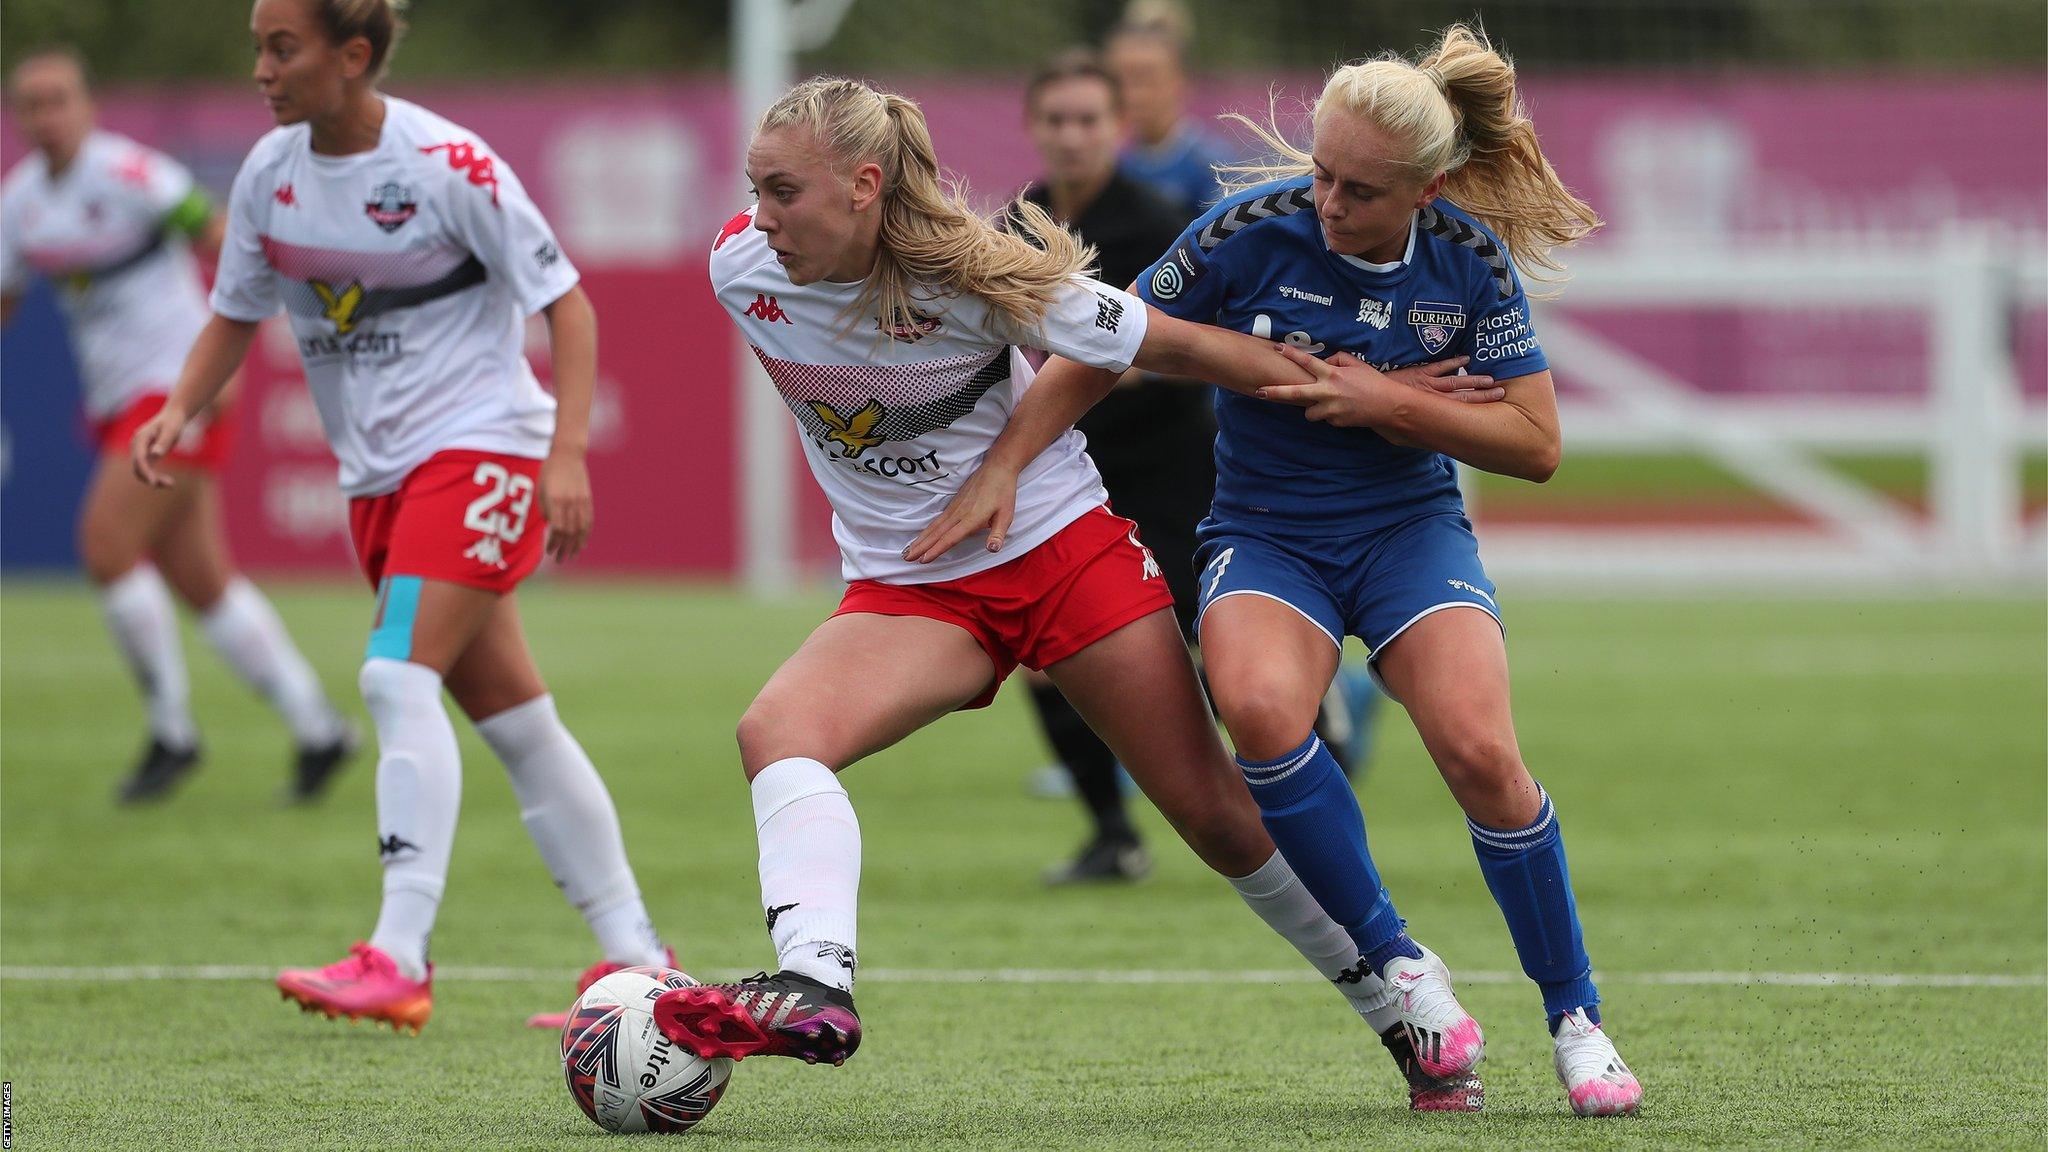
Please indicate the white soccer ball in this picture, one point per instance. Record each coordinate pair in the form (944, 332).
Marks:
(623, 1073)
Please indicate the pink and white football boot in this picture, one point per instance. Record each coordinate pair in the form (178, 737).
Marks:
(366, 986)
(1594, 1077)
(1446, 1038)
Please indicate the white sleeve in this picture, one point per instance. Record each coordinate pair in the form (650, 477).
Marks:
(161, 182)
(244, 284)
(1094, 324)
(499, 223)
(13, 269)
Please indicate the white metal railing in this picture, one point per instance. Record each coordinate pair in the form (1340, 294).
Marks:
(1971, 422)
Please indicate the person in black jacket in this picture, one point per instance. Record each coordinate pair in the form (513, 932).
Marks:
(1152, 439)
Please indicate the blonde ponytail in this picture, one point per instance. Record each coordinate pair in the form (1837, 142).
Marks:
(1499, 173)
(1456, 111)
(931, 240)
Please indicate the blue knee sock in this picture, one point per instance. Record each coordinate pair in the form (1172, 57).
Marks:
(1525, 870)
(1310, 811)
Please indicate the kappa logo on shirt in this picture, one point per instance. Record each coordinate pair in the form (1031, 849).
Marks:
(765, 308)
(733, 227)
(855, 433)
(477, 166)
(134, 170)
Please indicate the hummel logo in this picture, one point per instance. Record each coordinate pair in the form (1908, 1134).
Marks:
(775, 914)
(393, 844)
(838, 952)
(1293, 293)
(1353, 975)
(285, 195)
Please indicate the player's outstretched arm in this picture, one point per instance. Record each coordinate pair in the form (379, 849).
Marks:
(1518, 436)
(211, 363)
(565, 497)
(1233, 360)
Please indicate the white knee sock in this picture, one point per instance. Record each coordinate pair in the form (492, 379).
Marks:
(572, 821)
(245, 629)
(419, 792)
(139, 613)
(1277, 895)
(810, 868)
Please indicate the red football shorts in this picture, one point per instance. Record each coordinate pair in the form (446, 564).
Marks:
(205, 444)
(1092, 578)
(466, 517)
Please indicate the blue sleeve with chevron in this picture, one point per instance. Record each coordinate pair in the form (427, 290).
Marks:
(1502, 340)
(1190, 280)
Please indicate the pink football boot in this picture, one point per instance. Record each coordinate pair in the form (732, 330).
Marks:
(367, 985)
(556, 1021)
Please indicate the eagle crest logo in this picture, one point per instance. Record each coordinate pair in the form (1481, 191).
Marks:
(855, 433)
(339, 307)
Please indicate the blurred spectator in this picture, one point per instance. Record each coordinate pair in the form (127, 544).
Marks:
(1170, 151)
(1151, 438)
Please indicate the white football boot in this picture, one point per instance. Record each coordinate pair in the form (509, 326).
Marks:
(1446, 1038)
(1593, 1075)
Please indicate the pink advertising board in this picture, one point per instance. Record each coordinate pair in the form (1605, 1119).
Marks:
(637, 178)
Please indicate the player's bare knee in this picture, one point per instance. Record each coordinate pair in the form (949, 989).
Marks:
(105, 560)
(1226, 835)
(1479, 765)
(769, 731)
(1264, 718)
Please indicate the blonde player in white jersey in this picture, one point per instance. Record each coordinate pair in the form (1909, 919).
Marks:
(407, 257)
(107, 221)
(890, 317)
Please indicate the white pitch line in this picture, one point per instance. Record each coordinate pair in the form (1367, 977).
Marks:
(1106, 976)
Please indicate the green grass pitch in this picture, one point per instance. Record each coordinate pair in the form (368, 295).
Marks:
(1791, 785)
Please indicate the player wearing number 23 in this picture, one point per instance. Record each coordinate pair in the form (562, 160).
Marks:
(407, 257)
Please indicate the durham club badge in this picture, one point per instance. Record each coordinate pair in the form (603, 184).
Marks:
(1436, 325)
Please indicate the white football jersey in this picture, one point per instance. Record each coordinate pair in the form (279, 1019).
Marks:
(407, 272)
(892, 428)
(98, 230)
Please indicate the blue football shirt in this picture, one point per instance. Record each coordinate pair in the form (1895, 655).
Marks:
(1181, 170)
(1257, 263)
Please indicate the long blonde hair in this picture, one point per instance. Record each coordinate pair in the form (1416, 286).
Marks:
(1456, 111)
(930, 238)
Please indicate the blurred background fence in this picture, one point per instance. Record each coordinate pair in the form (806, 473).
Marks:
(1811, 343)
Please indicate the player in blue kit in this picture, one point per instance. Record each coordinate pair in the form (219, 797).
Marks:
(1394, 242)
